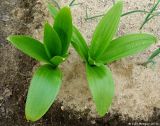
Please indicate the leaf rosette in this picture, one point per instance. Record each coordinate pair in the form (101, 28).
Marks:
(47, 79)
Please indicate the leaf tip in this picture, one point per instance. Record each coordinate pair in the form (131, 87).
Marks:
(30, 115)
(153, 38)
(66, 9)
(47, 25)
(28, 118)
(9, 38)
(120, 3)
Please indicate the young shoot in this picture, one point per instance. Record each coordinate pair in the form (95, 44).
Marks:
(103, 50)
(47, 79)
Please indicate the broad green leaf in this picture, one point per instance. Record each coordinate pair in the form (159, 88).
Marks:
(29, 46)
(101, 86)
(77, 39)
(63, 26)
(105, 30)
(56, 60)
(79, 44)
(127, 45)
(52, 42)
(42, 92)
(53, 10)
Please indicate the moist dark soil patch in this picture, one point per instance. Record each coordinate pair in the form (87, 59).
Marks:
(15, 75)
(14, 17)
(57, 117)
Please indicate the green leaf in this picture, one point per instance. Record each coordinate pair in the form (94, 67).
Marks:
(42, 92)
(29, 46)
(105, 31)
(53, 10)
(101, 86)
(127, 45)
(63, 26)
(79, 44)
(52, 42)
(56, 60)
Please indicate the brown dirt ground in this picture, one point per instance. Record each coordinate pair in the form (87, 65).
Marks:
(25, 17)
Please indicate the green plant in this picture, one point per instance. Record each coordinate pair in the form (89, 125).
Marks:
(103, 50)
(47, 79)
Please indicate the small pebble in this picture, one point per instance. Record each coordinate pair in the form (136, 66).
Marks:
(93, 122)
(1, 98)
(62, 108)
(7, 93)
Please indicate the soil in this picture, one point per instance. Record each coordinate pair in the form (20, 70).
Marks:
(137, 95)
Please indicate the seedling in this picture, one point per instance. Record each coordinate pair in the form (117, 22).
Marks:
(47, 79)
(104, 50)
